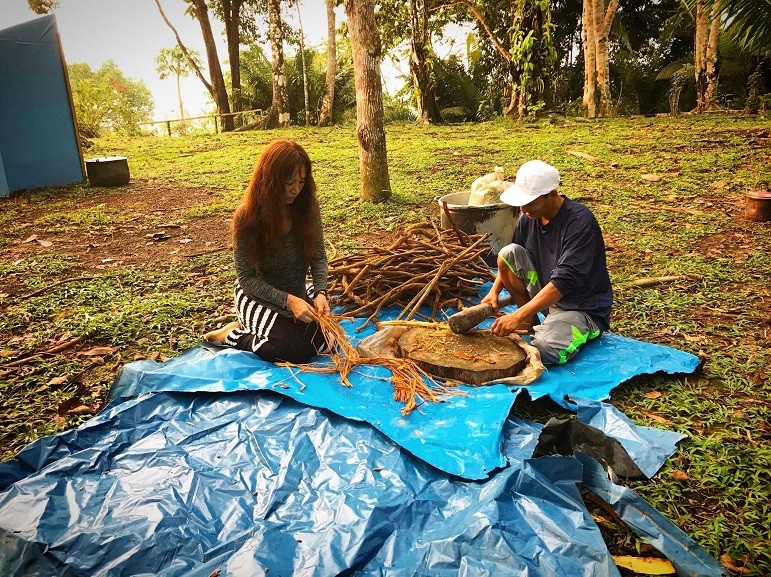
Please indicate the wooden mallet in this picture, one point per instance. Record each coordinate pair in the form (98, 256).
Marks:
(465, 320)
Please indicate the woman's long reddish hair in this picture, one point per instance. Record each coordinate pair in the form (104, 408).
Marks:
(257, 220)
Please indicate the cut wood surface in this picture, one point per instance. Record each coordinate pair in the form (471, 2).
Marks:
(475, 358)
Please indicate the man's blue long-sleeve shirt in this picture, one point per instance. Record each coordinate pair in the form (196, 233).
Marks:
(570, 252)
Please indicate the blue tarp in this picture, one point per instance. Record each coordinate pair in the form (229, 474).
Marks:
(461, 436)
(186, 473)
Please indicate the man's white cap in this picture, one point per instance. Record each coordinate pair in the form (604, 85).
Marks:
(534, 178)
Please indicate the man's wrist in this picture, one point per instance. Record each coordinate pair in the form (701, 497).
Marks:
(321, 292)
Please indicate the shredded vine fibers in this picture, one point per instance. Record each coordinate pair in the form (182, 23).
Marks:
(411, 383)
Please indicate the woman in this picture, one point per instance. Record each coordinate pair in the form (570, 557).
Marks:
(277, 237)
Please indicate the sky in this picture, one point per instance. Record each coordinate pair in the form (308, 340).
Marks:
(132, 33)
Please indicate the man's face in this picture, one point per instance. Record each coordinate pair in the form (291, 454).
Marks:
(537, 208)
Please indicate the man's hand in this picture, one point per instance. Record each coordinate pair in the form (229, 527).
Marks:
(511, 323)
(301, 309)
(491, 298)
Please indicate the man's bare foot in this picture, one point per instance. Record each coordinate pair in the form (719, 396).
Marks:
(220, 335)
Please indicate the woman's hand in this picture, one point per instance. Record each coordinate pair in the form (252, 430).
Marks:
(301, 309)
(321, 304)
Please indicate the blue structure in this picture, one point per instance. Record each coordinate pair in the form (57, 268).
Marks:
(38, 135)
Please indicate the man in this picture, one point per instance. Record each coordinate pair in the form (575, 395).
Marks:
(556, 264)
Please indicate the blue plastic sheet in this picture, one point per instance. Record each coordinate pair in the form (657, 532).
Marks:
(648, 447)
(198, 466)
(461, 436)
(649, 524)
(248, 483)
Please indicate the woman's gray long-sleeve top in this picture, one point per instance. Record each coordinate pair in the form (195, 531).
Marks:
(285, 274)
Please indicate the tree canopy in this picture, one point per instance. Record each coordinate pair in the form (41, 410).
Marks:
(105, 100)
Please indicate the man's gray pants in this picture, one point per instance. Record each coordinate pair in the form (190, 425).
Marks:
(562, 334)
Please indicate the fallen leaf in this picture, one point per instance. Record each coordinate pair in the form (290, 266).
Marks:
(215, 573)
(696, 338)
(583, 155)
(728, 563)
(34, 238)
(658, 419)
(99, 351)
(653, 394)
(719, 184)
(158, 236)
(651, 177)
(645, 565)
(81, 410)
(679, 475)
(57, 381)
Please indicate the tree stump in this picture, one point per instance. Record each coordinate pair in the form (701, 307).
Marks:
(476, 357)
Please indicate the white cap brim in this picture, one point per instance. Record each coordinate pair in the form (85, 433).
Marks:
(515, 196)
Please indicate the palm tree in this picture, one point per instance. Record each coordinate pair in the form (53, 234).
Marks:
(749, 21)
(173, 61)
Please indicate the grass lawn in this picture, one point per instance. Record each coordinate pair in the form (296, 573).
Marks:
(148, 271)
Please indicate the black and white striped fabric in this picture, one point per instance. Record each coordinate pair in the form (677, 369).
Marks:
(273, 336)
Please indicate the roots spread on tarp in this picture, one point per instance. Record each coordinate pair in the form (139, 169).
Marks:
(411, 383)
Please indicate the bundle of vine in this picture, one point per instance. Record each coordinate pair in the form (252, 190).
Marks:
(424, 266)
(411, 383)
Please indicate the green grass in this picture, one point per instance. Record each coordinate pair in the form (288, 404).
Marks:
(687, 224)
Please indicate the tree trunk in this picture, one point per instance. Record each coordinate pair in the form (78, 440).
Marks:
(179, 95)
(527, 22)
(305, 72)
(700, 53)
(711, 57)
(232, 16)
(597, 20)
(603, 68)
(365, 43)
(428, 109)
(590, 59)
(325, 115)
(220, 93)
(278, 115)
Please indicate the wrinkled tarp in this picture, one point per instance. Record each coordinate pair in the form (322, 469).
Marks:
(186, 474)
(249, 484)
(461, 436)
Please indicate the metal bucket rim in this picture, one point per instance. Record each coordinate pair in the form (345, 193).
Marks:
(463, 207)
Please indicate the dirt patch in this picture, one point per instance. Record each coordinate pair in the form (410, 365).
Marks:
(736, 245)
(150, 227)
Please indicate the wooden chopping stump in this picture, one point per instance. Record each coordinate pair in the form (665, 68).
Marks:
(476, 357)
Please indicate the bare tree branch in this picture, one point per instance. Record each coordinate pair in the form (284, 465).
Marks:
(481, 19)
(184, 49)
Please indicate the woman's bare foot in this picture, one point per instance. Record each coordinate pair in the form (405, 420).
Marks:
(220, 335)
